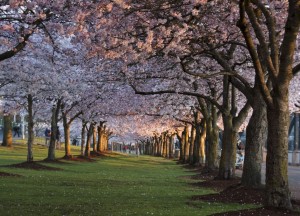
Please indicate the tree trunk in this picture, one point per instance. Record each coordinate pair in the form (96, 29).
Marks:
(99, 128)
(181, 144)
(163, 143)
(30, 129)
(212, 138)
(256, 136)
(186, 145)
(67, 138)
(102, 139)
(278, 193)
(106, 138)
(228, 156)
(54, 120)
(94, 138)
(159, 146)
(192, 143)
(83, 134)
(167, 138)
(201, 151)
(87, 152)
(7, 130)
(196, 155)
(171, 146)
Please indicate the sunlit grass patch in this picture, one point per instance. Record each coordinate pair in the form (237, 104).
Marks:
(113, 185)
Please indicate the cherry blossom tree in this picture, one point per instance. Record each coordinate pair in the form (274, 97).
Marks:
(274, 54)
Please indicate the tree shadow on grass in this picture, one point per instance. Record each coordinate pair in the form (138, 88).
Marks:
(5, 174)
(33, 166)
(79, 158)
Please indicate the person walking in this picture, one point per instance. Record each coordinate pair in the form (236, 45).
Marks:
(47, 136)
(16, 130)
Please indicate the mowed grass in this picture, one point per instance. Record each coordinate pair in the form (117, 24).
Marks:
(114, 185)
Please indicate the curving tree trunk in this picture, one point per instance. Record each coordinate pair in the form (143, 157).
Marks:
(67, 122)
(256, 137)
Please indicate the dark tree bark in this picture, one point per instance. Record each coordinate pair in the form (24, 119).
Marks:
(95, 138)
(54, 120)
(232, 122)
(186, 145)
(192, 143)
(83, 135)
(100, 136)
(256, 137)
(277, 188)
(30, 128)
(7, 130)
(209, 112)
(87, 152)
(67, 137)
(171, 144)
(196, 150)
(274, 57)
(181, 144)
(201, 152)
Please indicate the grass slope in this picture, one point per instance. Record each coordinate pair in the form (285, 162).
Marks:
(115, 185)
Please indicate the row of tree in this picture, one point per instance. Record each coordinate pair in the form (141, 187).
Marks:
(223, 58)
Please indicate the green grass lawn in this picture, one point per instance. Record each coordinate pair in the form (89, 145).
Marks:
(115, 185)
